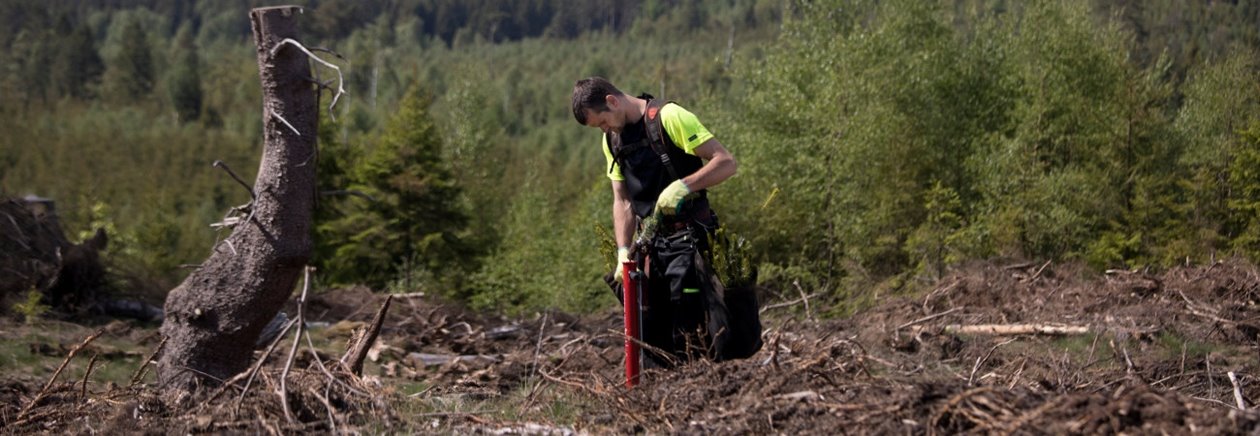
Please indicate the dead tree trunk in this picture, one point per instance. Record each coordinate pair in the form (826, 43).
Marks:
(214, 317)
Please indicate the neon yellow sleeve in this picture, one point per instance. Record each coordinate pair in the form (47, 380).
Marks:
(683, 128)
(615, 174)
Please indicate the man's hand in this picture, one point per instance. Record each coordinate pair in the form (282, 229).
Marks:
(623, 256)
(671, 199)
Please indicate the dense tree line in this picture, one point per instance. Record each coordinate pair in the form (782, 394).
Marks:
(880, 142)
(1032, 133)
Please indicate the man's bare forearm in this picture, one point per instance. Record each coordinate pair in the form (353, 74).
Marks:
(623, 216)
(720, 166)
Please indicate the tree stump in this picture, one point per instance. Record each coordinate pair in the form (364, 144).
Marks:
(214, 317)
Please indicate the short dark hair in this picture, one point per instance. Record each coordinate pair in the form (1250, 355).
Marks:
(591, 93)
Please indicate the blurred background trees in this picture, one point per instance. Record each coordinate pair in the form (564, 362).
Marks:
(881, 142)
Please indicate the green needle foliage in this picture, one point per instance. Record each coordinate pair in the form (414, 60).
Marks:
(414, 227)
(732, 260)
(31, 307)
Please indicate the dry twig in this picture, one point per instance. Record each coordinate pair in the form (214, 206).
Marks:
(223, 166)
(44, 391)
(941, 290)
(253, 372)
(1238, 397)
(954, 402)
(1037, 274)
(529, 399)
(320, 363)
(135, 378)
(340, 79)
(981, 360)
(809, 314)
(297, 340)
(928, 318)
(86, 374)
(788, 303)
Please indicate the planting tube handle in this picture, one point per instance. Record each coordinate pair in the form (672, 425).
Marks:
(631, 305)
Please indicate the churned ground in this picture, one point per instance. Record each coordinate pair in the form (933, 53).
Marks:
(1133, 352)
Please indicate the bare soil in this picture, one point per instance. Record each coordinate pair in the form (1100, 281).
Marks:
(1156, 357)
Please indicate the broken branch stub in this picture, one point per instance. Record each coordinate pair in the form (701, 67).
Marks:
(214, 317)
(353, 359)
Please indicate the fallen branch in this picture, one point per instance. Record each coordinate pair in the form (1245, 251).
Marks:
(1016, 329)
(1207, 360)
(571, 384)
(789, 303)
(332, 417)
(774, 346)
(44, 392)
(468, 413)
(253, 372)
(297, 340)
(928, 318)
(809, 314)
(1034, 414)
(670, 359)
(529, 399)
(92, 364)
(940, 290)
(1128, 362)
(1205, 311)
(319, 362)
(954, 402)
(135, 378)
(1038, 273)
(1211, 400)
(1238, 398)
(980, 361)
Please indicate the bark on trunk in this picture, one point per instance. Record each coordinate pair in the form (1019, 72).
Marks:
(215, 315)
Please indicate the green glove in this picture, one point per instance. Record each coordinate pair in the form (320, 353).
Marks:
(671, 199)
(623, 256)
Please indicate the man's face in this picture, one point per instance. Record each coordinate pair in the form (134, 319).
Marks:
(606, 121)
(609, 121)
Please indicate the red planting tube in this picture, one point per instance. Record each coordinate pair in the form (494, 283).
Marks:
(630, 295)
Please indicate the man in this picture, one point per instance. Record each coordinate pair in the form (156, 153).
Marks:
(660, 160)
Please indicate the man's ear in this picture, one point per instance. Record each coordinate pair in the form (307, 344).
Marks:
(612, 101)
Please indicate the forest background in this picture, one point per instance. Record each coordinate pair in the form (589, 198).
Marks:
(880, 142)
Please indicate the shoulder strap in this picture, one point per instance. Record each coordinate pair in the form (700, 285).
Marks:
(608, 142)
(656, 133)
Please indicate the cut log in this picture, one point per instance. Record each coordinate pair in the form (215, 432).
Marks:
(1017, 329)
(214, 317)
(420, 360)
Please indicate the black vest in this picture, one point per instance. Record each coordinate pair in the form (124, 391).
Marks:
(650, 160)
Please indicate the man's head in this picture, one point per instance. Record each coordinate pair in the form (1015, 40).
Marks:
(597, 103)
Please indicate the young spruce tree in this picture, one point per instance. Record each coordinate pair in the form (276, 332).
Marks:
(413, 233)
